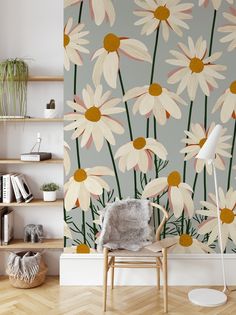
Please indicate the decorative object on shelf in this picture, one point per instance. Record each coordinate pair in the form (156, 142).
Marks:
(209, 297)
(50, 110)
(36, 156)
(13, 87)
(49, 191)
(33, 233)
(26, 269)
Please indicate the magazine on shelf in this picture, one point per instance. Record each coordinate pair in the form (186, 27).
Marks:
(36, 156)
(23, 187)
(3, 210)
(8, 227)
(18, 195)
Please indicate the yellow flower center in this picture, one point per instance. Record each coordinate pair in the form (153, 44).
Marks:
(111, 42)
(155, 89)
(161, 13)
(66, 40)
(174, 178)
(139, 143)
(82, 249)
(185, 240)
(233, 87)
(234, 115)
(202, 141)
(80, 175)
(93, 114)
(227, 215)
(196, 65)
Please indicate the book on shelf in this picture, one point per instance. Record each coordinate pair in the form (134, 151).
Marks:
(23, 187)
(14, 187)
(36, 156)
(8, 227)
(18, 195)
(3, 210)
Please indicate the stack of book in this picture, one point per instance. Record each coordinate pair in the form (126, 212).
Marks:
(6, 225)
(13, 187)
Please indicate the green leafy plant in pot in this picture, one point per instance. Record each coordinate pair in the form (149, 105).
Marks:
(49, 191)
(14, 75)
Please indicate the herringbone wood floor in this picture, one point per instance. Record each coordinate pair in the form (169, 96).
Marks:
(51, 299)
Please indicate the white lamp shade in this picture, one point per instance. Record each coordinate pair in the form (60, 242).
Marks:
(208, 150)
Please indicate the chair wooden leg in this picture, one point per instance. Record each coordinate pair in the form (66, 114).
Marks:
(158, 274)
(105, 271)
(165, 280)
(112, 273)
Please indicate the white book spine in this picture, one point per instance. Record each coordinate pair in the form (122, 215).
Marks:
(7, 189)
(16, 190)
(23, 187)
(8, 228)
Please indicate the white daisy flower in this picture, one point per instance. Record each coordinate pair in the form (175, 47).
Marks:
(93, 120)
(107, 62)
(227, 204)
(157, 100)
(73, 43)
(179, 194)
(138, 154)
(67, 162)
(194, 68)
(227, 103)
(99, 9)
(84, 184)
(196, 139)
(216, 3)
(166, 13)
(230, 28)
(187, 244)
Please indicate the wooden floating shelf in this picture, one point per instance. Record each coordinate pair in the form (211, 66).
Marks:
(22, 120)
(16, 161)
(45, 78)
(34, 203)
(46, 244)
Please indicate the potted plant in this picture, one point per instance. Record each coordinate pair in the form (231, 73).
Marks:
(49, 191)
(13, 87)
(50, 110)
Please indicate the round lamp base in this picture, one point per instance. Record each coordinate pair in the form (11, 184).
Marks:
(207, 297)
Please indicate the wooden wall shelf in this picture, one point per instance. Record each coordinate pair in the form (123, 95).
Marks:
(34, 203)
(33, 119)
(17, 161)
(46, 244)
(46, 78)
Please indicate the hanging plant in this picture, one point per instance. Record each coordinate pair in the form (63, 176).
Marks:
(13, 87)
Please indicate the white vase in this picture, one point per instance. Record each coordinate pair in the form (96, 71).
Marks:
(50, 113)
(49, 195)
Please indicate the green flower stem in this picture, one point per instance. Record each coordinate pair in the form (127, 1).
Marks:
(130, 129)
(194, 186)
(206, 101)
(115, 170)
(83, 227)
(232, 155)
(185, 162)
(94, 225)
(64, 214)
(188, 128)
(152, 71)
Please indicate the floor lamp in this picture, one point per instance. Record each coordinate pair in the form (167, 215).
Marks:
(209, 297)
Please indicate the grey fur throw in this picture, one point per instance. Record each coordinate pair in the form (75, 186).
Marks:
(125, 225)
(23, 266)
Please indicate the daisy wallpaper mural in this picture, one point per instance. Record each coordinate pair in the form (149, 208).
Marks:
(146, 81)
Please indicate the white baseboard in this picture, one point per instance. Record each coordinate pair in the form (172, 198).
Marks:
(188, 270)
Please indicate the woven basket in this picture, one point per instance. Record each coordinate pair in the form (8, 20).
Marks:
(38, 280)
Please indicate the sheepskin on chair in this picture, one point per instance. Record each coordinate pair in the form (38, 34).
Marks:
(125, 225)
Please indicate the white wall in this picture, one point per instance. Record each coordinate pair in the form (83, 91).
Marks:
(32, 29)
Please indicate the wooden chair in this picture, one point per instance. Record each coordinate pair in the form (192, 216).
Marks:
(154, 260)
